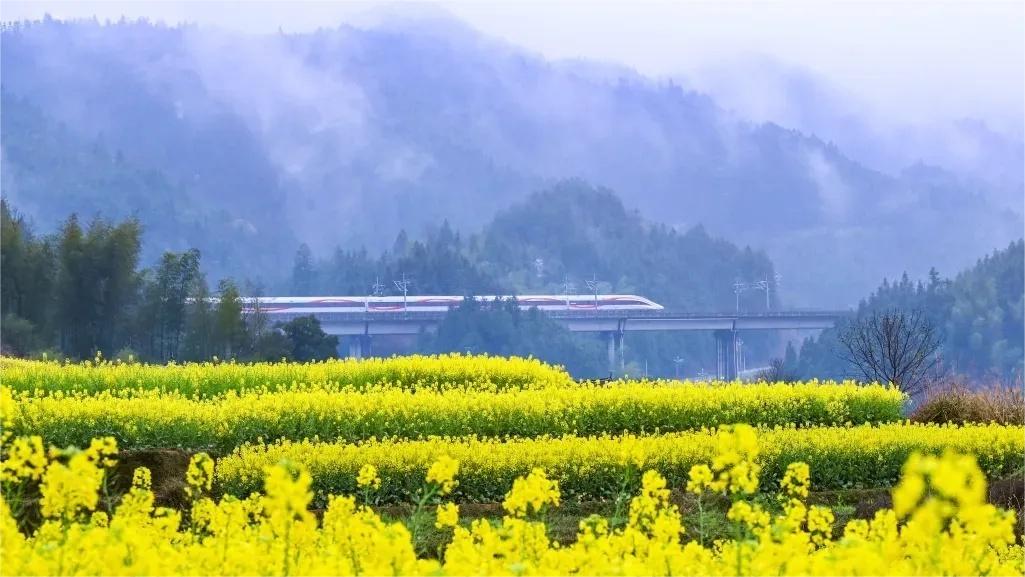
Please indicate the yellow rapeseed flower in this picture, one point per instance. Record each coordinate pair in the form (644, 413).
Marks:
(443, 472)
(368, 477)
(447, 515)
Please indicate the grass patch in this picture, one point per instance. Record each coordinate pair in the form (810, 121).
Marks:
(957, 403)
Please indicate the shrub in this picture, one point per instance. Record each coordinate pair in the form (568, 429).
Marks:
(957, 403)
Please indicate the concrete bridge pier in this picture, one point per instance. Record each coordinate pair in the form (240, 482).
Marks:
(359, 347)
(617, 362)
(726, 355)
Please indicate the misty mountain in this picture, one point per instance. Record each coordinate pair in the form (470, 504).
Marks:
(348, 135)
(761, 89)
(47, 169)
(570, 233)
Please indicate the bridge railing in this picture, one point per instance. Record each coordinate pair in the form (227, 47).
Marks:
(433, 316)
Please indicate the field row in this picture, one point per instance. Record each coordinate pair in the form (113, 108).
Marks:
(940, 524)
(209, 379)
(157, 419)
(594, 468)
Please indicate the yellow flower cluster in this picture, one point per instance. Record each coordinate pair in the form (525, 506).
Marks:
(69, 480)
(199, 477)
(26, 459)
(447, 515)
(531, 494)
(368, 478)
(443, 474)
(943, 526)
(796, 480)
(586, 467)
(152, 418)
(734, 468)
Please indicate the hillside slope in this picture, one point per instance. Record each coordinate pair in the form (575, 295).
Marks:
(346, 136)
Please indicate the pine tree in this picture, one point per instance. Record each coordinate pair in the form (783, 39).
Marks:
(303, 272)
(199, 335)
(229, 326)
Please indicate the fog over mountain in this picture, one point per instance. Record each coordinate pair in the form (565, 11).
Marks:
(246, 144)
(761, 89)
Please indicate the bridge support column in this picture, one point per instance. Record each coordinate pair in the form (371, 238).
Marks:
(726, 355)
(356, 348)
(365, 345)
(617, 362)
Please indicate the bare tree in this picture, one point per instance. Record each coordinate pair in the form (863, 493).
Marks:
(892, 346)
(776, 372)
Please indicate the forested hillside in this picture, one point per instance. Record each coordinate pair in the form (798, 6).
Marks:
(82, 289)
(979, 314)
(50, 171)
(346, 136)
(571, 232)
(80, 294)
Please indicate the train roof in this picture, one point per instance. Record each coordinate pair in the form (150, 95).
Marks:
(362, 298)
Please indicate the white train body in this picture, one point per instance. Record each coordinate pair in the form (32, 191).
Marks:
(372, 304)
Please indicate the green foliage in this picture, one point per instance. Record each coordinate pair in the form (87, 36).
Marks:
(28, 266)
(96, 285)
(273, 345)
(198, 342)
(569, 231)
(229, 326)
(979, 313)
(576, 231)
(502, 328)
(308, 340)
(303, 273)
(20, 336)
(439, 264)
(163, 314)
(986, 312)
(81, 290)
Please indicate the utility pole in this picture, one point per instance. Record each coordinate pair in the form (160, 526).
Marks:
(594, 284)
(376, 290)
(764, 285)
(741, 361)
(739, 287)
(403, 285)
(677, 361)
(567, 289)
(777, 277)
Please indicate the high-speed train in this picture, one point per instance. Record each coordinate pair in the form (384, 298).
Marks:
(357, 304)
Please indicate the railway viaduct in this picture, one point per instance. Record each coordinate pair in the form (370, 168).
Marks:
(614, 324)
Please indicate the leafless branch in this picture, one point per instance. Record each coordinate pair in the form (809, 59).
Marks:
(892, 346)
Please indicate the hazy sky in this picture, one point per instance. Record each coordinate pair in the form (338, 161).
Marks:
(917, 61)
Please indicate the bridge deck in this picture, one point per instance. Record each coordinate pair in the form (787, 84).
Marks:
(412, 322)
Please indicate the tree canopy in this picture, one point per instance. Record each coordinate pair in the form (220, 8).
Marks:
(978, 315)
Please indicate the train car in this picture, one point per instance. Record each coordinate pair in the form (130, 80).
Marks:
(371, 304)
